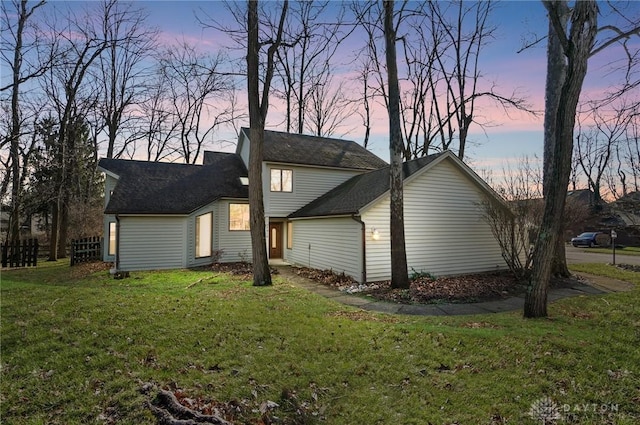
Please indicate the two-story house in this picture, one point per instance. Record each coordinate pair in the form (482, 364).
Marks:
(326, 206)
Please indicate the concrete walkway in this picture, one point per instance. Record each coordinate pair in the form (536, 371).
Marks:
(592, 285)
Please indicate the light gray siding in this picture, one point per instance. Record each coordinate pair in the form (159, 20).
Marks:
(236, 245)
(328, 243)
(444, 229)
(153, 242)
(244, 149)
(309, 183)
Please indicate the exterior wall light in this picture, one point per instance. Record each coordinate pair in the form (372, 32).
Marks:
(375, 235)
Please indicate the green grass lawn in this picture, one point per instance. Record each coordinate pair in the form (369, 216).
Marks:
(630, 250)
(77, 349)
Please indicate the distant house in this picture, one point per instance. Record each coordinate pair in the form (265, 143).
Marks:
(326, 206)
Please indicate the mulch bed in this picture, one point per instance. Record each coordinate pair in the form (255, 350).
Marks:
(428, 290)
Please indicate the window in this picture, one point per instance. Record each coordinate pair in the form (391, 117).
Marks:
(289, 235)
(238, 216)
(281, 180)
(112, 238)
(203, 235)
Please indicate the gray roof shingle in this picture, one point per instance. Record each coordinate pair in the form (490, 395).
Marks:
(358, 191)
(292, 148)
(167, 188)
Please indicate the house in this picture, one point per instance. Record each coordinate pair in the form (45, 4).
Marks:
(326, 206)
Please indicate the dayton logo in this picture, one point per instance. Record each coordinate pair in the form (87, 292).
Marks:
(545, 410)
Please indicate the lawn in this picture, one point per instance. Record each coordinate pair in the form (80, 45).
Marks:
(77, 348)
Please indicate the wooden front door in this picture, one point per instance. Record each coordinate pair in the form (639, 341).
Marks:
(275, 240)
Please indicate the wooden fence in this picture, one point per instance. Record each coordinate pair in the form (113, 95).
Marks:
(86, 249)
(21, 254)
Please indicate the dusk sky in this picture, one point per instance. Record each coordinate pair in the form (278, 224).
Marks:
(511, 134)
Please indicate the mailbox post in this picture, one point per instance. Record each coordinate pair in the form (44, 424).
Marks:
(614, 235)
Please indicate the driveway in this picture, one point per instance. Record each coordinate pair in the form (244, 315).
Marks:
(584, 255)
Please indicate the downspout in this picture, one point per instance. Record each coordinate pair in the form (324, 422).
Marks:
(364, 247)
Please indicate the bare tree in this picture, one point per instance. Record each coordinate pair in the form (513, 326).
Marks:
(399, 272)
(122, 74)
(514, 224)
(158, 126)
(304, 68)
(595, 144)
(258, 107)
(328, 107)
(572, 41)
(71, 96)
(441, 78)
(14, 52)
(196, 86)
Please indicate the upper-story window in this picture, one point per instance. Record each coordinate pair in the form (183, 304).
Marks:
(281, 180)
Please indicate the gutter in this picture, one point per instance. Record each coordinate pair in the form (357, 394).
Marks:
(364, 247)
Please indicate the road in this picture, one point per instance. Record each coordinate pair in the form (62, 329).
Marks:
(583, 255)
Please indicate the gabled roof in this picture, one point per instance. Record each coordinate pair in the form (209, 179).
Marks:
(166, 188)
(351, 196)
(303, 149)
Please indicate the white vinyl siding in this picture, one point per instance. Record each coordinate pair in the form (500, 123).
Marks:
(309, 183)
(152, 242)
(445, 233)
(328, 243)
(236, 245)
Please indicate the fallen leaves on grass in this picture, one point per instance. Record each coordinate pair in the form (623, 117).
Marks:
(358, 316)
(172, 406)
(83, 270)
(629, 267)
(426, 289)
(326, 277)
(242, 269)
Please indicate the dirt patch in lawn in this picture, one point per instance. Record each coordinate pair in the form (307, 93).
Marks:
(468, 288)
(243, 270)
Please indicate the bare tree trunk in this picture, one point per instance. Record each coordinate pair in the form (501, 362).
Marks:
(64, 225)
(556, 74)
(261, 274)
(399, 273)
(55, 227)
(577, 48)
(257, 116)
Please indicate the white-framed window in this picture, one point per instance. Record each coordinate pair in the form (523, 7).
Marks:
(204, 227)
(112, 238)
(238, 217)
(289, 235)
(281, 180)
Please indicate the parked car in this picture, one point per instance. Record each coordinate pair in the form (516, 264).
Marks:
(586, 239)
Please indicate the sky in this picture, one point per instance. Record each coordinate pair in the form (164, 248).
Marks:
(511, 134)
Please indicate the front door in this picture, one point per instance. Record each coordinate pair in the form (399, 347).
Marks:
(275, 240)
